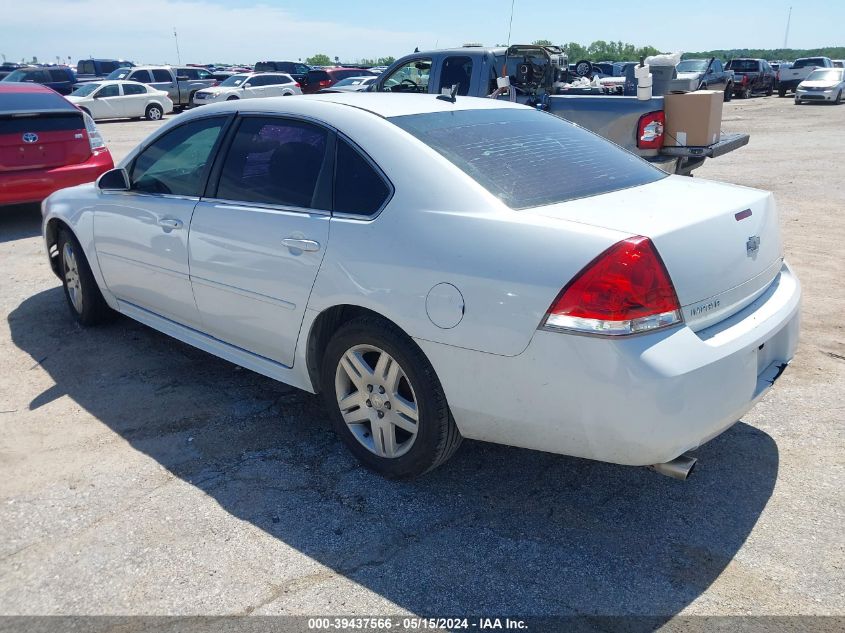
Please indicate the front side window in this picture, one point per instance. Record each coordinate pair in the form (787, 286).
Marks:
(141, 76)
(456, 70)
(358, 187)
(409, 77)
(528, 158)
(274, 161)
(58, 75)
(134, 89)
(109, 90)
(176, 162)
(162, 75)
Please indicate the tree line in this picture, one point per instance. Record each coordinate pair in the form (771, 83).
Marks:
(788, 54)
(321, 59)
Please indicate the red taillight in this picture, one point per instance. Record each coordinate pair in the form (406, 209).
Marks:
(296, 83)
(325, 83)
(650, 130)
(216, 83)
(625, 290)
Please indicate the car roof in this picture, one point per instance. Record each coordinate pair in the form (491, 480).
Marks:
(15, 87)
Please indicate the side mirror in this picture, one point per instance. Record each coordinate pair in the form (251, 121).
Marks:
(114, 180)
(246, 86)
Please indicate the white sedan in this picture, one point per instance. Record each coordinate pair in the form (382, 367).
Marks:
(249, 86)
(114, 99)
(442, 269)
(826, 85)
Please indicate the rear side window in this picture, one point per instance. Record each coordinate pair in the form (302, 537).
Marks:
(456, 71)
(134, 89)
(57, 74)
(274, 161)
(528, 158)
(176, 162)
(161, 75)
(358, 187)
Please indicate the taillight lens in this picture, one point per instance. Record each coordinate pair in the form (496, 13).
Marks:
(650, 130)
(95, 139)
(325, 84)
(625, 290)
(296, 83)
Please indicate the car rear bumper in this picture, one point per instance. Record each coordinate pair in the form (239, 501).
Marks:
(35, 185)
(637, 400)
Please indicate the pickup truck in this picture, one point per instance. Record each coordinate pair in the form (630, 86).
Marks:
(752, 76)
(789, 78)
(536, 75)
(707, 74)
(175, 81)
(97, 69)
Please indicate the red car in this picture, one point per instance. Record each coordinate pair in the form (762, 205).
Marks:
(46, 144)
(318, 79)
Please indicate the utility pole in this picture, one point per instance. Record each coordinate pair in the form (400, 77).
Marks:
(178, 56)
(786, 35)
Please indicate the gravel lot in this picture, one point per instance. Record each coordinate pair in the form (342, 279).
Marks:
(141, 476)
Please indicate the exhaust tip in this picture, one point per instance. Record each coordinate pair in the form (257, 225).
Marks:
(679, 468)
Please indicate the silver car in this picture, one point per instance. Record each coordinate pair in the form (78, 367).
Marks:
(441, 269)
(825, 85)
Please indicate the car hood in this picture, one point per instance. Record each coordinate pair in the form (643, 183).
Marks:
(217, 90)
(818, 84)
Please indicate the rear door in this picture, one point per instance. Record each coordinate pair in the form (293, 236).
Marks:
(134, 99)
(141, 236)
(257, 242)
(108, 103)
(163, 79)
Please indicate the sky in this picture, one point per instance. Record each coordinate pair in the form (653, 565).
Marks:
(247, 31)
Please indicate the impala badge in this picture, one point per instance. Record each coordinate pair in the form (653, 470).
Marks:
(752, 245)
(30, 137)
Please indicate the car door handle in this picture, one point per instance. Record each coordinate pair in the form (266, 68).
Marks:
(302, 245)
(169, 224)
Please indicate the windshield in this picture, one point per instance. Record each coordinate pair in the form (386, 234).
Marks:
(85, 89)
(234, 80)
(693, 65)
(16, 75)
(120, 73)
(743, 65)
(528, 158)
(827, 74)
(352, 81)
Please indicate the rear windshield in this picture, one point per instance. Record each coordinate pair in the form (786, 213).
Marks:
(811, 61)
(265, 66)
(317, 75)
(41, 123)
(743, 65)
(529, 158)
(33, 102)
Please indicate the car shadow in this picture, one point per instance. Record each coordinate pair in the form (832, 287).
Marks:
(497, 530)
(20, 221)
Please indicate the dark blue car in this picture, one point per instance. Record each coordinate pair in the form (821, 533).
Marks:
(59, 78)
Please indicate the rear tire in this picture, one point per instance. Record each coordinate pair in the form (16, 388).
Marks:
(154, 112)
(729, 92)
(375, 381)
(82, 293)
(781, 92)
(746, 93)
(770, 90)
(838, 98)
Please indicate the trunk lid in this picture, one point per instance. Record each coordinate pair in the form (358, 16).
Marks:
(721, 243)
(42, 140)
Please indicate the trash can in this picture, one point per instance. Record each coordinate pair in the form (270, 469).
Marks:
(661, 76)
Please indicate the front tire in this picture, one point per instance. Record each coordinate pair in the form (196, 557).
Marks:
(838, 98)
(82, 293)
(781, 92)
(154, 112)
(385, 400)
(746, 93)
(729, 92)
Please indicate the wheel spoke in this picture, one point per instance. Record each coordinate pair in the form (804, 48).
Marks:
(384, 439)
(384, 363)
(405, 408)
(403, 423)
(356, 416)
(355, 367)
(352, 400)
(393, 376)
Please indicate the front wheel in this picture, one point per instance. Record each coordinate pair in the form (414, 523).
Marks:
(746, 93)
(154, 112)
(781, 92)
(83, 295)
(385, 400)
(770, 90)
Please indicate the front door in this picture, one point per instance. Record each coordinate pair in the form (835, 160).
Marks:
(257, 243)
(141, 236)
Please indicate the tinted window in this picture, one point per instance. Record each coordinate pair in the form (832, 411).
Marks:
(33, 102)
(264, 66)
(258, 80)
(112, 90)
(358, 187)
(162, 75)
(190, 73)
(86, 68)
(274, 161)
(456, 70)
(275, 80)
(317, 75)
(57, 74)
(529, 158)
(134, 89)
(176, 162)
(743, 65)
(44, 123)
(107, 67)
(138, 75)
(810, 61)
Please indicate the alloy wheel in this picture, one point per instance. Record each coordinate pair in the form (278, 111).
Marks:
(377, 401)
(72, 280)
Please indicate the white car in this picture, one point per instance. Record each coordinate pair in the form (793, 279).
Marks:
(114, 99)
(822, 85)
(249, 86)
(441, 269)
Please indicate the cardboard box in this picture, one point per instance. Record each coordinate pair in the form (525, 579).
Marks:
(693, 118)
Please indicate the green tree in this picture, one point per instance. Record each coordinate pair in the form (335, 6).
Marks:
(385, 61)
(542, 43)
(320, 59)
